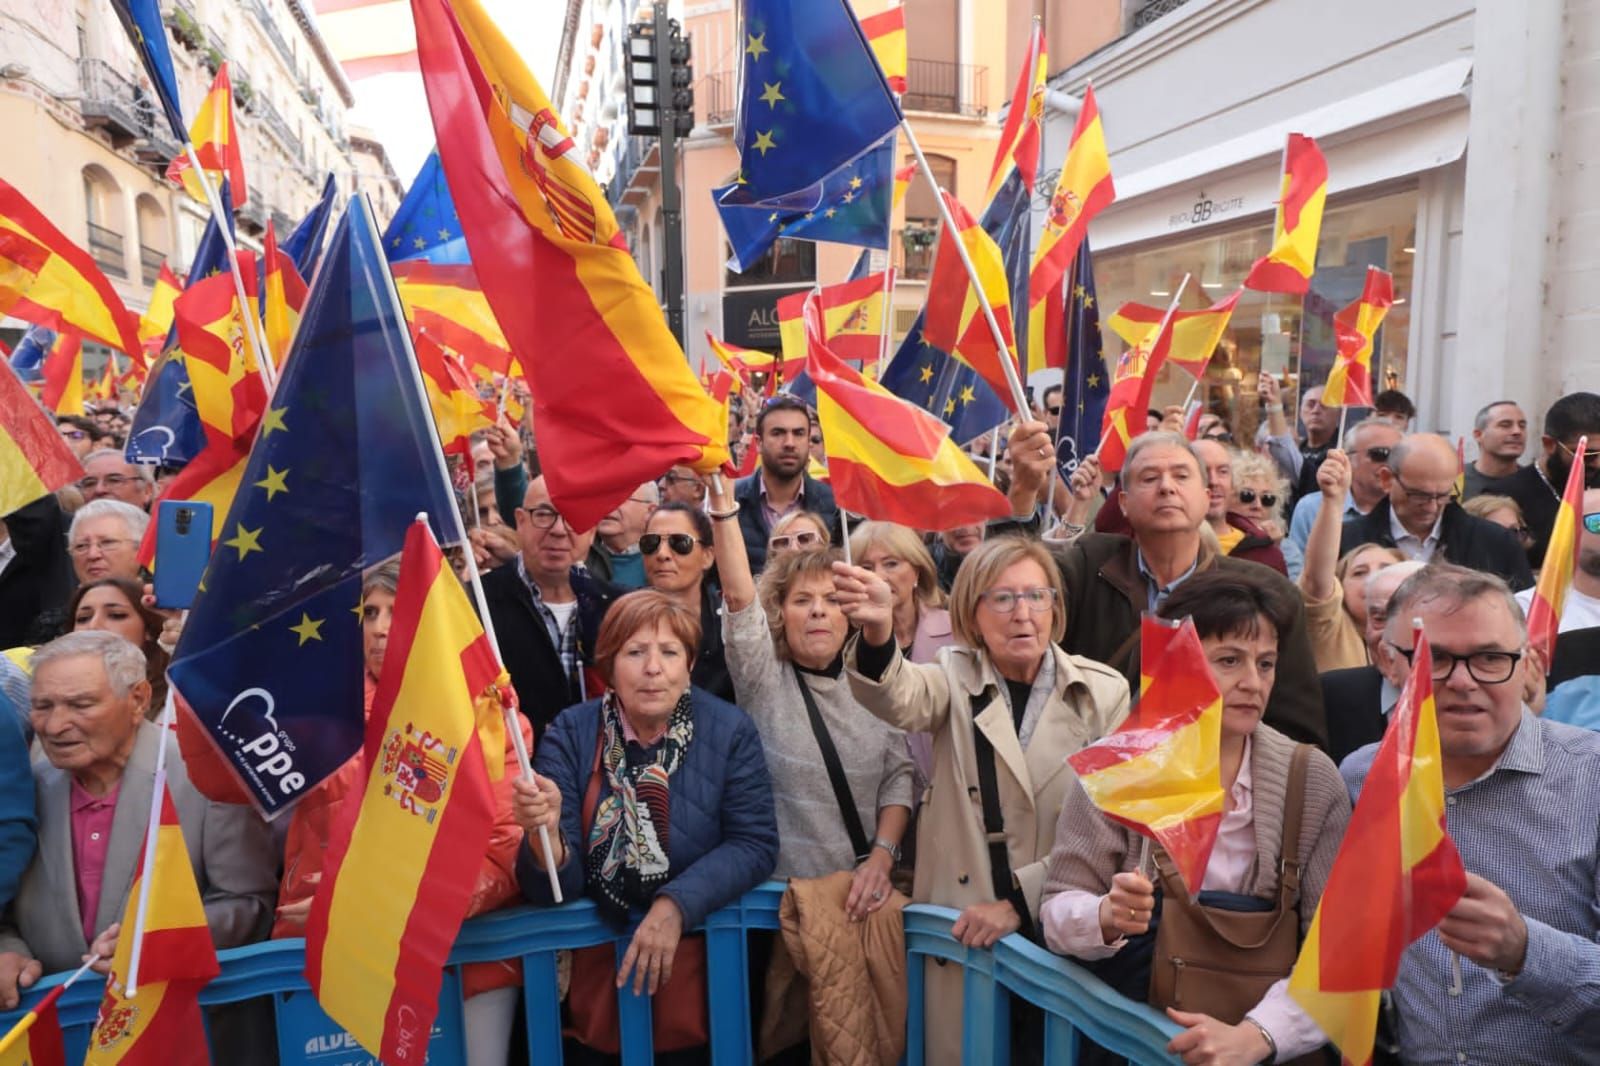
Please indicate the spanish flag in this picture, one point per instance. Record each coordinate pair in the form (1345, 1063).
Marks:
(48, 280)
(452, 395)
(400, 869)
(889, 459)
(34, 460)
(63, 375)
(852, 319)
(902, 181)
(557, 272)
(954, 321)
(156, 322)
(106, 388)
(1160, 773)
(1355, 328)
(1560, 562)
(886, 33)
(446, 302)
(1195, 334)
(216, 144)
(1293, 258)
(1019, 138)
(1396, 875)
(36, 1039)
(747, 361)
(1082, 191)
(1132, 382)
(158, 1022)
(283, 294)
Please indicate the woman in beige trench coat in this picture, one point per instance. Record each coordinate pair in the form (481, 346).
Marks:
(1005, 689)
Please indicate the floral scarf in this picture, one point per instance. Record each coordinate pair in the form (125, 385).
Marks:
(626, 860)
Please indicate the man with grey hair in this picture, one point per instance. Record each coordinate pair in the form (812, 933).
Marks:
(617, 538)
(1522, 800)
(1367, 444)
(93, 789)
(103, 540)
(107, 473)
(1360, 698)
(1501, 432)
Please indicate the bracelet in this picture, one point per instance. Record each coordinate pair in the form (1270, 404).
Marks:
(722, 516)
(1272, 1045)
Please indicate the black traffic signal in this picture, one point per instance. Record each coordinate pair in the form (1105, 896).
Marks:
(643, 81)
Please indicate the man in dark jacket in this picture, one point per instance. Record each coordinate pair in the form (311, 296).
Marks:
(35, 573)
(781, 484)
(1537, 487)
(1421, 520)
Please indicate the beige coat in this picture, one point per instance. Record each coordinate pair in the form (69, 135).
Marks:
(949, 698)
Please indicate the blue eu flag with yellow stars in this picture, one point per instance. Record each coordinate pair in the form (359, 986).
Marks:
(304, 242)
(812, 99)
(426, 225)
(852, 208)
(142, 20)
(346, 457)
(1085, 384)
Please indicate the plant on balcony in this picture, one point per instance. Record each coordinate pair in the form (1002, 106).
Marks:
(213, 58)
(918, 238)
(244, 95)
(185, 30)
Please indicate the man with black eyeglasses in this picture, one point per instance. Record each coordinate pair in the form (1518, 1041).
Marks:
(1419, 517)
(1522, 800)
(1537, 487)
(1367, 444)
(781, 484)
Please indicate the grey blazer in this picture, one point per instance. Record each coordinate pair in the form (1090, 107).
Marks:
(230, 850)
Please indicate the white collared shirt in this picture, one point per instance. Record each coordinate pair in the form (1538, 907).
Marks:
(1412, 546)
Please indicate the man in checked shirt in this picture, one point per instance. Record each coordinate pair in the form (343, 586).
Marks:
(1522, 803)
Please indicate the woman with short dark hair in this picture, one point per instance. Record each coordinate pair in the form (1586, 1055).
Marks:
(676, 546)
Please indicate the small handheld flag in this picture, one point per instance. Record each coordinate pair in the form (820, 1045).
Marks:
(1560, 563)
(1082, 191)
(1289, 265)
(1356, 328)
(216, 145)
(34, 459)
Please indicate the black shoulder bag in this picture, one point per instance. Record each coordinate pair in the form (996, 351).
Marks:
(994, 825)
(830, 759)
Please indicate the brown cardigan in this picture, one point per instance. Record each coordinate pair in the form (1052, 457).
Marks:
(1090, 848)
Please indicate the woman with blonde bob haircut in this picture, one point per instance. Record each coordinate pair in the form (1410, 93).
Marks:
(1005, 707)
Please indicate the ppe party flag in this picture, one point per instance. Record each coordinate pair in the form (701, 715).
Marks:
(812, 99)
(1355, 329)
(887, 459)
(304, 242)
(63, 375)
(886, 33)
(1019, 138)
(1160, 773)
(36, 1039)
(1082, 191)
(283, 294)
(142, 21)
(1086, 383)
(1195, 334)
(156, 322)
(447, 303)
(345, 458)
(1560, 563)
(558, 275)
(216, 145)
(47, 280)
(1396, 875)
(852, 318)
(954, 321)
(403, 861)
(426, 225)
(1132, 382)
(1293, 258)
(157, 1021)
(34, 459)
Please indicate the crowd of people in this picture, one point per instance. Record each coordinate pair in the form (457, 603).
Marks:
(728, 681)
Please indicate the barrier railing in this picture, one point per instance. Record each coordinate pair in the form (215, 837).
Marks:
(1072, 1000)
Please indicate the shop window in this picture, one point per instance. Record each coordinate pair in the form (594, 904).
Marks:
(787, 262)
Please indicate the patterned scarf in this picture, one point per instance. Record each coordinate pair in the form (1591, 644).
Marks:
(627, 856)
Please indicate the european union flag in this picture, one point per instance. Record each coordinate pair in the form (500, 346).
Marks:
(345, 459)
(142, 20)
(27, 358)
(813, 99)
(1085, 384)
(853, 208)
(426, 225)
(304, 243)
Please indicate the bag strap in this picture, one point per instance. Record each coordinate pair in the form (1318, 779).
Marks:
(1293, 818)
(1003, 882)
(591, 792)
(830, 760)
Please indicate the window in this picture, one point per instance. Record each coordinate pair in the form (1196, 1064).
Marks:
(787, 262)
(153, 238)
(102, 202)
(922, 217)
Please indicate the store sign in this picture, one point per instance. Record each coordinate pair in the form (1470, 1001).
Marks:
(1206, 210)
(750, 316)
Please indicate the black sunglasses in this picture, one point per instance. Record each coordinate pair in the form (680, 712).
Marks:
(1268, 499)
(1054, 410)
(1378, 455)
(680, 543)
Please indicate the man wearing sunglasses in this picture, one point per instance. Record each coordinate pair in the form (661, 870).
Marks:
(1367, 444)
(781, 484)
(1420, 518)
(1537, 487)
(1522, 799)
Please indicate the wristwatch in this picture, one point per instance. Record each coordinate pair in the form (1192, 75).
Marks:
(892, 849)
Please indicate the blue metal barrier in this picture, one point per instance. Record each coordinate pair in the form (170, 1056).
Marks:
(1073, 1000)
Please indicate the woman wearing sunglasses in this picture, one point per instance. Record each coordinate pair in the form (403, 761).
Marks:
(676, 547)
(797, 531)
(1260, 493)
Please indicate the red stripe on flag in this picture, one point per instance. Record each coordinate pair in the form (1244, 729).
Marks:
(923, 505)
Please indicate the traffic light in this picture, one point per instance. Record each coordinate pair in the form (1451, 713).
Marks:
(643, 81)
(679, 56)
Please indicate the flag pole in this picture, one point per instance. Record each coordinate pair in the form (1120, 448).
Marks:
(1019, 398)
(168, 726)
(18, 1031)
(524, 765)
(886, 326)
(1172, 309)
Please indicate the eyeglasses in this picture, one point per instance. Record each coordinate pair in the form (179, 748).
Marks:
(1221, 436)
(680, 543)
(74, 434)
(815, 441)
(541, 517)
(110, 481)
(1006, 601)
(1268, 499)
(1591, 456)
(1422, 497)
(1591, 522)
(785, 541)
(1054, 410)
(1379, 454)
(1484, 667)
(104, 547)
(674, 478)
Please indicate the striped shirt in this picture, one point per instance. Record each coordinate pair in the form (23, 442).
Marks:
(1530, 825)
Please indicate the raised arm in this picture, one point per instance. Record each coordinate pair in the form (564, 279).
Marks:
(1317, 579)
(733, 561)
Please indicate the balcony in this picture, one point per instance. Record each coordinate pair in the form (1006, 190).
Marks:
(150, 260)
(721, 95)
(269, 26)
(254, 212)
(114, 104)
(1147, 11)
(946, 88)
(913, 252)
(105, 246)
(278, 126)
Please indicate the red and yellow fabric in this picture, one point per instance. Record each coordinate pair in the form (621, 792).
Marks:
(747, 361)
(62, 390)
(954, 321)
(1019, 137)
(1355, 327)
(446, 302)
(34, 460)
(1293, 258)
(283, 294)
(368, 37)
(156, 322)
(105, 390)
(1560, 563)
(889, 459)
(852, 320)
(1082, 191)
(1160, 773)
(886, 33)
(902, 182)
(400, 869)
(48, 280)
(1195, 334)
(215, 138)
(1128, 400)
(160, 1023)
(452, 396)
(36, 1039)
(557, 271)
(223, 366)
(1396, 875)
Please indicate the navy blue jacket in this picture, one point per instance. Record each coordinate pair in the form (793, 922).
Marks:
(19, 824)
(817, 498)
(723, 837)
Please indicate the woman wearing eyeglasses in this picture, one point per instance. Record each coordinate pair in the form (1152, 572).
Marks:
(797, 531)
(1005, 706)
(678, 561)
